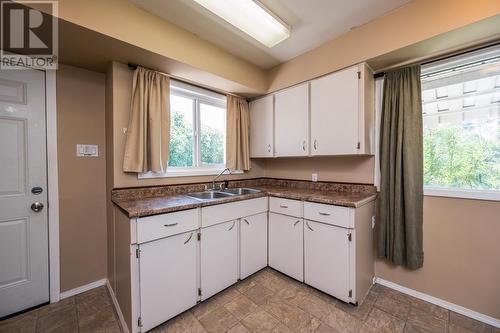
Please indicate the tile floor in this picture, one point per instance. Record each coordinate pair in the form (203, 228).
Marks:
(265, 302)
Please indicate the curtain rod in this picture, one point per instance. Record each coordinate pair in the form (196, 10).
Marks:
(134, 67)
(432, 59)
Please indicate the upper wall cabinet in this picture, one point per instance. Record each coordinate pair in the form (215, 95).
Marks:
(291, 127)
(342, 112)
(262, 127)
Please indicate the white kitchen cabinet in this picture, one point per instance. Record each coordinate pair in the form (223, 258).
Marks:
(342, 112)
(219, 257)
(327, 259)
(262, 127)
(286, 245)
(168, 270)
(291, 126)
(253, 244)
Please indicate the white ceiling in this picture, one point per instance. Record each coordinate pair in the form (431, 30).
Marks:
(313, 23)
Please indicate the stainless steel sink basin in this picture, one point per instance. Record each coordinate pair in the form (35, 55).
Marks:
(209, 195)
(240, 191)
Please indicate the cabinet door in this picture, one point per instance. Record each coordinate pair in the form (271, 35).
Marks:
(291, 125)
(219, 257)
(335, 113)
(286, 245)
(253, 244)
(168, 271)
(326, 258)
(262, 127)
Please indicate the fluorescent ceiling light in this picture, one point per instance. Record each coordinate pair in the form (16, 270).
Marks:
(251, 17)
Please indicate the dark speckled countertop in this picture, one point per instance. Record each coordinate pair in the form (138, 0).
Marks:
(144, 205)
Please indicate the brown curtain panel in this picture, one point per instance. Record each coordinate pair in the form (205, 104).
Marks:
(237, 134)
(400, 203)
(148, 133)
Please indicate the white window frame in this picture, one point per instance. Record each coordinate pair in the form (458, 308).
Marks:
(200, 96)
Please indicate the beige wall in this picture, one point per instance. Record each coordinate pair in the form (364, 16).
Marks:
(121, 77)
(80, 119)
(461, 255)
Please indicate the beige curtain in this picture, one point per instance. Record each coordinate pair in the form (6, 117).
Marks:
(148, 133)
(400, 203)
(237, 134)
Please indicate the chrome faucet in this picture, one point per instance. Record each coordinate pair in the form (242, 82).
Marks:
(217, 177)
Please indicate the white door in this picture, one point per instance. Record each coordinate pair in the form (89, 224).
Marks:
(334, 113)
(286, 244)
(168, 269)
(24, 280)
(326, 262)
(291, 115)
(262, 127)
(253, 244)
(219, 258)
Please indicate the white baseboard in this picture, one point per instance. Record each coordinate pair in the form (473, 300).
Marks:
(442, 303)
(83, 288)
(123, 323)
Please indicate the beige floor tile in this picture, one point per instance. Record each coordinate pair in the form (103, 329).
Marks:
(280, 328)
(393, 306)
(384, 322)
(64, 320)
(293, 295)
(23, 323)
(360, 311)
(421, 321)
(342, 321)
(184, 323)
(365, 328)
(218, 321)
(316, 306)
(435, 310)
(205, 307)
(241, 306)
(290, 315)
(61, 305)
(469, 323)
(238, 329)
(325, 329)
(246, 284)
(452, 328)
(259, 321)
(227, 295)
(259, 294)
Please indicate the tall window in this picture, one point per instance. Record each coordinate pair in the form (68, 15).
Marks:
(461, 108)
(197, 131)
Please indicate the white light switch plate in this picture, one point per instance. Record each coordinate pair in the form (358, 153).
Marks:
(87, 150)
(314, 177)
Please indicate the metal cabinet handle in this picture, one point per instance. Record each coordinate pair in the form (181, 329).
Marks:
(171, 224)
(307, 224)
(304, 145)
(324, 214)
(232, 227)
(296, 223)
(283, 206)
(315, 144)
(246, 221)
(37, 207)
(187, 240)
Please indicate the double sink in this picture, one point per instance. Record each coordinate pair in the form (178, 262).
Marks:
(219, 194)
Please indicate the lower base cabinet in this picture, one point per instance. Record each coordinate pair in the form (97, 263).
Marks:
(253, 244)
(327, 259)
(167, 270)
(219, 257)
(286, 245)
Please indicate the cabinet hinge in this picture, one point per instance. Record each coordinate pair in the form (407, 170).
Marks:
(199, 291)
(198, 237)
(349, 237)
(139, 322)
(137, 253)
(359, 75)
(350, 292)
(358, 146)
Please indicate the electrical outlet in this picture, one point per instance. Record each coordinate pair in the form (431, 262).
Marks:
(314, 177)
(87, 150)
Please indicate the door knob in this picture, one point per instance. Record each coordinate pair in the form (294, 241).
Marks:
(37, 206)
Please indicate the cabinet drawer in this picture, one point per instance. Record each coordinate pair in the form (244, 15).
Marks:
(231, 211)
(285, 206)
(164, 225)
(334, 215)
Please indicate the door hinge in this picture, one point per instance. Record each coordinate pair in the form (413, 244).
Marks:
(198, 237)
(350, 292)
(349, 237)
(359, 75)
(358, 146)
(137, 253)
(139, 322)
(199, 291)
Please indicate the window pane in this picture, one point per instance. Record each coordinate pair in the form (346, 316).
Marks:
(462, 139)
(181, 132)
(212, 134)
